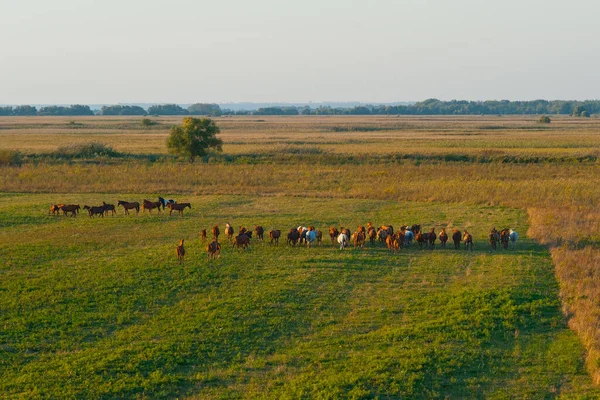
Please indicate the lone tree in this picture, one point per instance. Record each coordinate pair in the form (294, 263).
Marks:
(194, 137)
(544, 119)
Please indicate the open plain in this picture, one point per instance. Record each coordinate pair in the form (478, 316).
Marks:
(100, 308)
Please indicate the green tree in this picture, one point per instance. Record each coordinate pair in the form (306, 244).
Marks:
(194, 137)
(544, 119)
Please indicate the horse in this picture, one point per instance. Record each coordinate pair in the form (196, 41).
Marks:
(229, 231)
(241, 241)
(468, 239)
(372, 233)
(359, 238)
(382, 235)
(431, 238)
(203, 235)
(259, 230)
(94, 210)
(180, 251)
(310, 237)
(514, 236)
(214, 250)
(179, 207)
(409, 236)
(216, 232)
(493, 240)
(55, 209)
(151, 205)
(420, 238)
(274, 236)
(293, 236)
(165, 203)
(70, 208)
(456, 238)
(401, 237)
(504, 238)
(443, 238)
(333, 234)
(342, 239)
(109, 207)
(129, 206)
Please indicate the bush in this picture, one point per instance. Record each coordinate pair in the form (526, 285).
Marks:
(86, 150)
(10, 157)
(544, 119)
(146, 122)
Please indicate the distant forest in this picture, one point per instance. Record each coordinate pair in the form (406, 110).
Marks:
(427, 107)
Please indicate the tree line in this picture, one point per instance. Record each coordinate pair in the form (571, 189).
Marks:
(427, 107)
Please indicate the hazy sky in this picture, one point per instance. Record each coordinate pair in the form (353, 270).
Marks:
(109, 51)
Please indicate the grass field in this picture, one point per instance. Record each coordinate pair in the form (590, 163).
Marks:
(100, 309)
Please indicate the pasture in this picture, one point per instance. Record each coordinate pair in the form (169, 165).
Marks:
(100, 307)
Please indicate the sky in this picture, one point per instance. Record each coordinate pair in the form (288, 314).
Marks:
(184, 51)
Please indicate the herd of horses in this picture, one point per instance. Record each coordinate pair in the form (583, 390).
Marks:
(105, 208)
(394, 240)
(302, 235)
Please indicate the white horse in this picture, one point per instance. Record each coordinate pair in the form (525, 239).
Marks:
(513, 236)
(343, 241)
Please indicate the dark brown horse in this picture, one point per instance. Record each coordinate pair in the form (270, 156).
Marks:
(129, 206)
(70, 208)
(504, 238)
(151, 205)
(203, 235)
(274, 235)
(95, 210)
(216, 232)
(456, 238)
(214, 250)
(260, 232)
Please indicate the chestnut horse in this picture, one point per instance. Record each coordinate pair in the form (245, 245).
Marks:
(229, 231)
(178, 207)
(216, 232)
(468, 239)
(274, 236)
(180, 251)
(333, 234)
(151, 205)
(213, 249)
(203, 235)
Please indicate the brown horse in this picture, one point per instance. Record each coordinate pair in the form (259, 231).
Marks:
(229, 231)
(493, 237)
(180, 251)
(358, 238)
(129, 206)
(151, 205)
(468, 239)
(431, 238)
(333, 234)
(214, 250)
(372, 234)
(203, 235)
(443, 238)
(392, 243)
(216, 232)
(274, 235)
(179, 207)
(456, 238)
(241, 241)
(70, 208)
(504, 238)
(260, 232)
(55, 209)
(95, 210)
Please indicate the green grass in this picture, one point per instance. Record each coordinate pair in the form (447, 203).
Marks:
(100, 309)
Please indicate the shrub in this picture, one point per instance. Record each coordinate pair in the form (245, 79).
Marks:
(544, 119)
(147, 122)
(86, 150)
(10, 157)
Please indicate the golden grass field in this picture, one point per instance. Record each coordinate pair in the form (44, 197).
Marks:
(551, 171)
